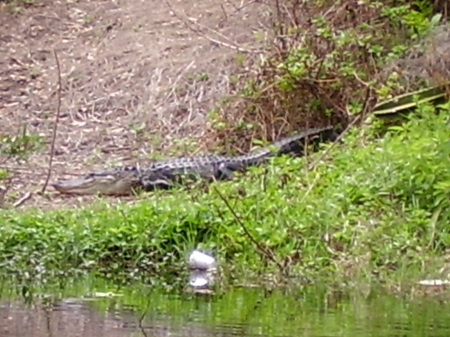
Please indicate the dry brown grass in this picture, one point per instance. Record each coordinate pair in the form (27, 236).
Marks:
(136, 79)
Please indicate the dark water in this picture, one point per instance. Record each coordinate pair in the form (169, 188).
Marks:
(80, 310)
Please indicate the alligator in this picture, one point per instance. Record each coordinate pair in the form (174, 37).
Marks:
(166, 173)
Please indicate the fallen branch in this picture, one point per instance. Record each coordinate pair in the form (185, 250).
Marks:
(20, 201)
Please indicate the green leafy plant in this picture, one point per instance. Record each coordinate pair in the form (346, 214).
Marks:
(333, 67)
(371, 209)
(21, 145)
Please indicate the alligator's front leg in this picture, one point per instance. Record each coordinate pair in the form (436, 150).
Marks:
(157, 180)
(223, 172)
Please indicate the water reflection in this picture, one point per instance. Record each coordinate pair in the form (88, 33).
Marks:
(239, 312)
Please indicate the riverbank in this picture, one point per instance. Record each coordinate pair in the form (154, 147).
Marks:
(373, 208)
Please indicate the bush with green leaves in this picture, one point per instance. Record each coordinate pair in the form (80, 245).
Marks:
(331, 61)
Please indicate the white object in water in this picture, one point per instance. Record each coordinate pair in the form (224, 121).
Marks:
(199, 260)
(202, 279)
(198, 281)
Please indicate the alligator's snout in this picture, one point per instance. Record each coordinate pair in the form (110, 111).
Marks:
(95, 183)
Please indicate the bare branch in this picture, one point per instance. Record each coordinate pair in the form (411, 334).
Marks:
(264, 250)
(55, 125)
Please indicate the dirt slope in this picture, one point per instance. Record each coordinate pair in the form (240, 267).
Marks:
(137, 77)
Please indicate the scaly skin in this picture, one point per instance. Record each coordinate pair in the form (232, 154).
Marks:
(166, 173)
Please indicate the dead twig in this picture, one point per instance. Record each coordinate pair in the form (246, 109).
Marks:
(55, 125)
(179, 77)
(230, 44)
(20, 201)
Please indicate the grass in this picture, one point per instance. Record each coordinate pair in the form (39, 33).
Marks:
(372, 209)
(16, 6)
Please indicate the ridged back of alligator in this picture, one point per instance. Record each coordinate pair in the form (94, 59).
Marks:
(186, 162)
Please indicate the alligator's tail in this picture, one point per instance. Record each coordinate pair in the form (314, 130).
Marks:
(294, 144)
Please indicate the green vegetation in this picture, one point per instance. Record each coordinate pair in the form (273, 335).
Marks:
(373, 208)
(16, 6)
(16, 148)
(335, 66)
(20, 146)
